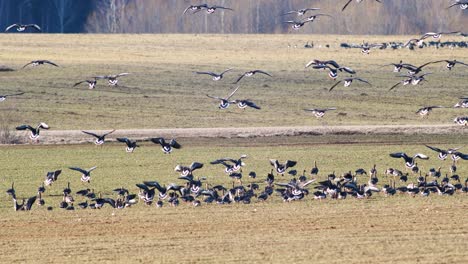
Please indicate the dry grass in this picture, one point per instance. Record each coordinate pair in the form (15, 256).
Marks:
(163, 92)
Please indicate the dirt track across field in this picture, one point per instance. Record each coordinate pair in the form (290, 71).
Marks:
(76, 136)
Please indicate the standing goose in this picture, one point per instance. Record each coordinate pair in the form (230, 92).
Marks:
(91, 83)
(4, 96)
(86, 174)
(300, 12)
(215, 76)
(224, 102)
(99, 138)
(131, 145)
(34, 135)
(314, 170)
(319, 112)
(20, 27)
(112, 79)
(348, 82)
(409, 161)
(186, 171)
(357, 1)
(282, 167)
(40, 62)
(425, 111)
(251, 73)
(167, 147)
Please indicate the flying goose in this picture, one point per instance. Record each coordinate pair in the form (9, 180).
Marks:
(186, 171)
(442, 152)
(34, 135)
(235, 164)
(40, 62)
(20, 27)
(51, 177)
(86, 174)
(195, 8)
(224, 102)
(461, 120)
(167, 147)
(300, 12)
(296, 25)
(251, 73)
(434, 35)
(409, 161)
(25, 206)
(212, 9)
(451, 63)
(316, 62)
(99, 138)
(4, 97)
(215, 76)
(357, 1)
(314, 17)
(319, 112)
(333, 73)
(348, 82)
(242, 104)
(91, 83)
(282, 167)
(463, 103)
(366, 47)
(463, 4)
(398, 66)
(112, 79)
(131, 145)
(425, 111)
(410, 79)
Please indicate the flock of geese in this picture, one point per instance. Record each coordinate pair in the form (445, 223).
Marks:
(196, 191)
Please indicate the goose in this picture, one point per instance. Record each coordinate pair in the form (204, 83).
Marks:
(224, 102)
(148, 194)
(4, 96)
(398, 66)
(282, 167)
(243, 104)
(86, 174)
(167, 147)
(409, 161)
(91, 83)
(296, 25)
(463, 103)
(26, 205)
(314, 17)
(215, 76)
(425, 111)
(34, 135)
(131, 145)
(300, 12)
(40, 62)
(413, 70)
(20, 27)
(212, 9)
(348, 82)
(451, 63)
(434, 35)
(366, 47)
(99, 138)
(333, 73)
(443, 154)
(236, 164)
(11, 192)
(458, 155)
(186, 171)
(319, 112)
(51, 177)
(357, 1)
(251, 73)
(314, 170)
(195, 8)
(413, 80)
(112, 79)
(462, 120)
(463, 4)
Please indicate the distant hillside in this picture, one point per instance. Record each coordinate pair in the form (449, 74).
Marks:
(250, 16)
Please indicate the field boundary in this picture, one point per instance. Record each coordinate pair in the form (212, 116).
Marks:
(77, 137)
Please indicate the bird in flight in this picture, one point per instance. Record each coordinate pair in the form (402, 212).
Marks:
(300, 12)
(319, 112)
(251, 73)
(215, 76)
(224, 102)
(21, 27)
(40, 62)
(348, 82)
(3, 97)
(358, 1)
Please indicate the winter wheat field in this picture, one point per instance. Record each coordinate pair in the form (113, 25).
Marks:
(163, 97)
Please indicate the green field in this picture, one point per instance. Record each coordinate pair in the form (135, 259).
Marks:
(163, 91)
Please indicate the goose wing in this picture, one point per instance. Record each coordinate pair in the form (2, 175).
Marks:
(78, 169)
(38, 28)
(262, 72)
(362, 80)
(50, 62)
(207, 73)
(122, 74)
(252, 104)
(90, 133)
(436, 149)
(108, 133)
(394, 86)
(6, 95)
(124, 140)
(24, 127)
(174, 144)
(30, 202)
(331, 88)
(420, 156)
(11, 26)
(196, 165)
(346, 5)
(215, 97)
(29, 63)
(240, 78)
(233, 92)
